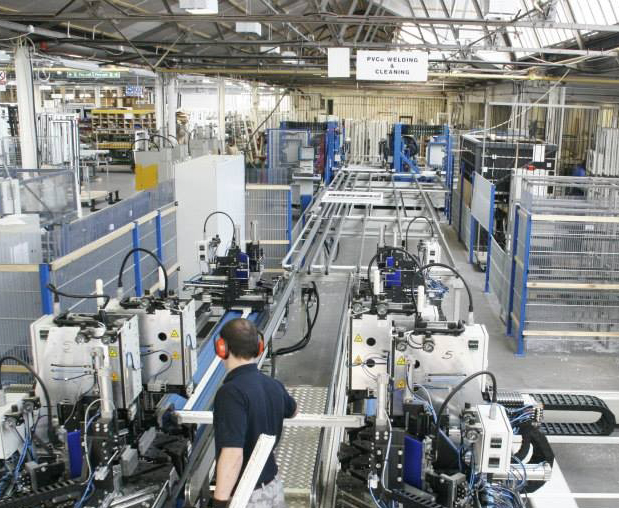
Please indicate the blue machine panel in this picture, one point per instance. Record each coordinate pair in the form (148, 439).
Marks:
(413, 460)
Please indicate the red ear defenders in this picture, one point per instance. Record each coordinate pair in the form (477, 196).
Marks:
(221, 346)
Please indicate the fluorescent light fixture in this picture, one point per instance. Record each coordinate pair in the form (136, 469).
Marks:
(199, 6)
(249, 27)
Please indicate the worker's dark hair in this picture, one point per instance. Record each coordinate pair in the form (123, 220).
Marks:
(242, 338)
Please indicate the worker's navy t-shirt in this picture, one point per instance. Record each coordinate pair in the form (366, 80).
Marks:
(246, 405)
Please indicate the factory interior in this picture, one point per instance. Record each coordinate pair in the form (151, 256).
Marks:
(415, 202)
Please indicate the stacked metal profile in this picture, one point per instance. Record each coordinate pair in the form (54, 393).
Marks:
(571, 266)
(603, 157)
(269, 206)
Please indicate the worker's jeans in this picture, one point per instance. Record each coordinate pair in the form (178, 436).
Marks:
(269, 496)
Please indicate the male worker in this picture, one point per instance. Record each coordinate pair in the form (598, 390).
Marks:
(247, 404)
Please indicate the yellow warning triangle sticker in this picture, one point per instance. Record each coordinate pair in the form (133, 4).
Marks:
(400, 385)
(358, 360)
(175, 355)
(358, 338)
(401, 361)
(174, 334)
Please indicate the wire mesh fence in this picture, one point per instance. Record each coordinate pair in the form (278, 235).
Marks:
(270, 207)
(499, 276)
(283, 154)
(571, 257)
(20, 305)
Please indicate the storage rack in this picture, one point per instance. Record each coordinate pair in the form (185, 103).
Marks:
(114, 129)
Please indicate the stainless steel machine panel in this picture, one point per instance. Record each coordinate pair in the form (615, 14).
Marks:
(64, 360)
(169, 345)
(451, 359)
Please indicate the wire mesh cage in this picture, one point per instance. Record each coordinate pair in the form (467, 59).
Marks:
(572, 258)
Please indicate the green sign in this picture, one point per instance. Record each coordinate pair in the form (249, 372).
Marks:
(92, 74)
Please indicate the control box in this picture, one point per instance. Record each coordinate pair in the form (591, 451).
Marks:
(493, 448)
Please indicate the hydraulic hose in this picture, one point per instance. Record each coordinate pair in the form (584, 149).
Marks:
(218, 212)
(165, 138)
(57, 292)
(411, 222)
(50, 428)
(457, 274)
(458, 387)
(150, 253)
(311, 322)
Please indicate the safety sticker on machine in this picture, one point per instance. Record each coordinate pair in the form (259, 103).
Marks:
(113, 352)
(115, 376)
(358, 338)
(174, 334)
(400, 385)
(358, 360)
(401, 361)
(175, 355)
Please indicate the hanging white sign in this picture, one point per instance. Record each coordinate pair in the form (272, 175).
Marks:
(392, 65)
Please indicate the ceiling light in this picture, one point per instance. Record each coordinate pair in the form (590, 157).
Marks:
(199, 6)
(249, 27)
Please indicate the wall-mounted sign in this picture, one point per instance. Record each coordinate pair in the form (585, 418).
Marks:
(134, 91)
(339, 62)
(392, 65)
(93, 75)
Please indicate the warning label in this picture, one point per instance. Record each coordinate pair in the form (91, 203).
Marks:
(358, 338)
(115, 376)
(174, 334)
(401, 384)
(113, 352)
(401, 361)
(175, 355)
(358, 360)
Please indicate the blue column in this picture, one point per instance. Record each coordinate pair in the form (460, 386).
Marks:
(490, 233)
(289, 199)
(397, 147)
(137, 270)
(461, 202)
(159, 233)
(524, 291)
(512, 277)
(472, 236)
(47, 305)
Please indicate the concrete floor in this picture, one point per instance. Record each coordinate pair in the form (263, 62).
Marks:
(591, 468)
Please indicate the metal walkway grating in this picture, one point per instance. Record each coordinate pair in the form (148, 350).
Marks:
(296, 453)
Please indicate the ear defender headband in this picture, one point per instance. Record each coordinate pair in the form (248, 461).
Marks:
(221, 346)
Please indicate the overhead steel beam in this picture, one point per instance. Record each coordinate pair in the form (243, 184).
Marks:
(319, 18)
(58, 36)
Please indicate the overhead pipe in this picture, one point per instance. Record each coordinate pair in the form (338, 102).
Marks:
(438, 75)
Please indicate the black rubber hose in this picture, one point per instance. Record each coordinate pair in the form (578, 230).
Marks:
(57, 292)
(466, 286)
(150, 253)
(411, 222)
(50, 428)
(310, 327)
(459, 387)
(165, 138)
(222, 213)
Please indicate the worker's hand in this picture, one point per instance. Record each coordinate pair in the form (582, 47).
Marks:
(217, 503)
